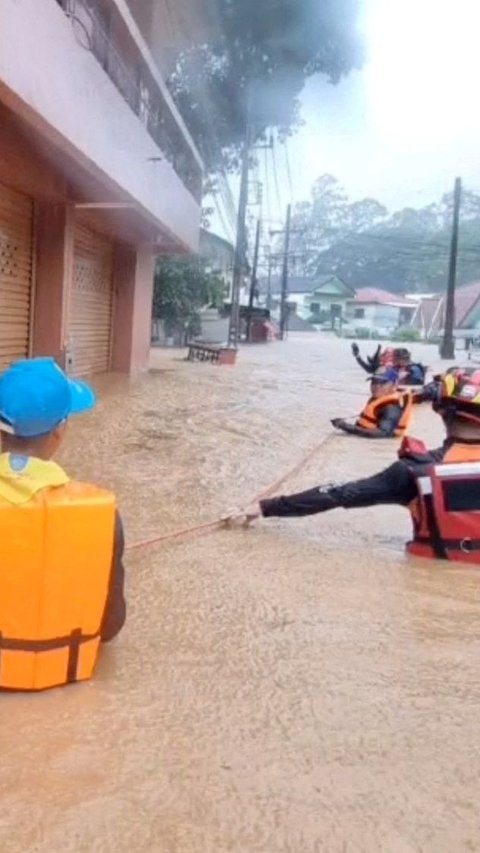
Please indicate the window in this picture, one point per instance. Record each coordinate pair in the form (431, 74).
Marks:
(359, 314)
(315, 308)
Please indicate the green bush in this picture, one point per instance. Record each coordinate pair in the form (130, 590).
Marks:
(406, 335)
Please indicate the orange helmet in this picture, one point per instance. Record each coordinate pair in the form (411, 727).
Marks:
(459, 394)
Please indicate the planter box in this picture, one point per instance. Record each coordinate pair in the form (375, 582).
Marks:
(227, 355)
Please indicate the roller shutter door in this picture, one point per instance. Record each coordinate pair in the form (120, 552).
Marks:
(91, 303)
(16, 242)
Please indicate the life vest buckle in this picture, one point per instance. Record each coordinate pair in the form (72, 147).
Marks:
(466, 545)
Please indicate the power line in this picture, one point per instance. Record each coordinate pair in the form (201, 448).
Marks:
(275, 172)
(227, 229)
(267, 186)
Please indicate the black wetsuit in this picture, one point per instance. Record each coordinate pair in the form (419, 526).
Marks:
(394, 485)
(372, 363)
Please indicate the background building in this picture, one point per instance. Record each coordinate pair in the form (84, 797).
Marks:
(317, 299)
(98, 174)
(327, 301)
(377, 310)
(219, 256)
(429, 315)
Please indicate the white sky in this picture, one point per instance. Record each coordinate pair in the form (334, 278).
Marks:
(402, 128)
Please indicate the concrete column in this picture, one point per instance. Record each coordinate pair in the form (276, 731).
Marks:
(132, 322)
(54, 236)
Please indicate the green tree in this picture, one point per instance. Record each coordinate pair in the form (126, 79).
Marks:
(257, 65)
(406, 251)
(182, 288)
(328, 219)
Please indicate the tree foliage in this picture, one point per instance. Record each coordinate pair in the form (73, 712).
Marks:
(362, 243)
(182, 288)
(257, 63)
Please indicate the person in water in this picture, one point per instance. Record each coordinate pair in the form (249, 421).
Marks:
(373, 362)
(400, 359)
(411, 373)
(440, 487)
(61, 542)
(387, 413)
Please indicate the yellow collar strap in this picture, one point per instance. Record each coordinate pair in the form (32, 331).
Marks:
(21, 477)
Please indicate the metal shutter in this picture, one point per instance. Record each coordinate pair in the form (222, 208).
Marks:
(16, 238)
(91, 303)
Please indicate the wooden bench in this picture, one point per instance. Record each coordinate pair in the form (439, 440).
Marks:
(211, 353)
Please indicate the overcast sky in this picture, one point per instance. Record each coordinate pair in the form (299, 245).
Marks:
(408, 123)
(402, 128)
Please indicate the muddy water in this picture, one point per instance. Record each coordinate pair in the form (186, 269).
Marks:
(299, 687)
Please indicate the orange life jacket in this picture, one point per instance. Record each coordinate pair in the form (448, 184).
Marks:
(446, 513)
(56, 547)
(370, 416)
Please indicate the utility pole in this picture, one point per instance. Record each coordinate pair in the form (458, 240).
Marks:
(283, 304)
(254, 278)
(447, 347)
(240, 247)
(269, 282)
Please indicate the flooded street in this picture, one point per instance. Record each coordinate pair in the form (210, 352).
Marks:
(296, 688)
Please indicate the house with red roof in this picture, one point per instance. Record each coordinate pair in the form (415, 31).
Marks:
(378, 310)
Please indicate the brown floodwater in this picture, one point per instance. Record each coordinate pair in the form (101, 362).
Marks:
(295, 688)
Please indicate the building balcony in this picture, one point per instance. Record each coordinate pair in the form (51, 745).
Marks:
(80, 74)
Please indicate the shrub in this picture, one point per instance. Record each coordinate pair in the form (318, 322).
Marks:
(406, 335)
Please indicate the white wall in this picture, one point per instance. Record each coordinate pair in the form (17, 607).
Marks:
(50, 80)
(383, 318)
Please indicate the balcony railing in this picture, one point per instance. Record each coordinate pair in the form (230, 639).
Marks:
(98, 31)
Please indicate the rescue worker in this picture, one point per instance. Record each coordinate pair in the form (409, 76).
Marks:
(61, 542)
(387, 413)
(409, 373)
(441, 487)
(372, 363)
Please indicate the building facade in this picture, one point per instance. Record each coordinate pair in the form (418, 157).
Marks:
(327, 301)
(98, 175)
(219, 257)
(270, 294)
(318, 299)
(171, 26)
(429, 315)
(376, 310)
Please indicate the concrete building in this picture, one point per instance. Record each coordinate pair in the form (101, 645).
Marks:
(327, 301)
(219, 256)
(318, 298)
(429, 315)
(377, 310)
(171, 26)
(98, 174)
(299, 287)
